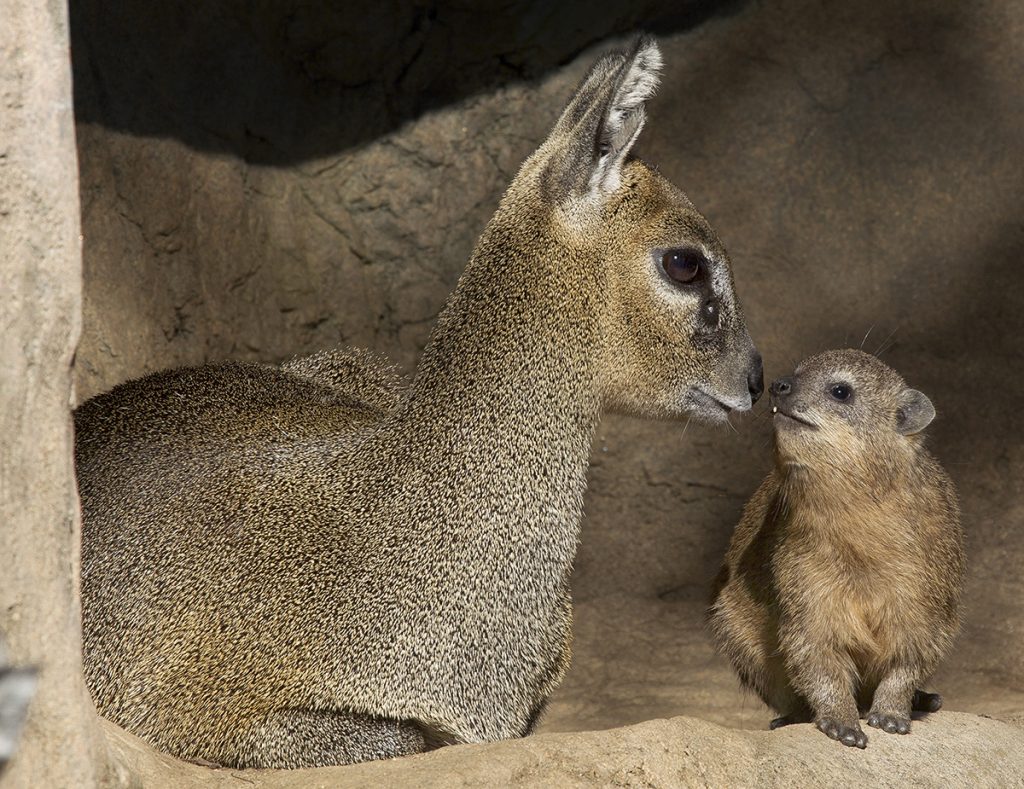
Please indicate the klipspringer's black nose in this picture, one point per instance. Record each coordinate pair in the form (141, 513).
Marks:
(782, 387)
(755, 379)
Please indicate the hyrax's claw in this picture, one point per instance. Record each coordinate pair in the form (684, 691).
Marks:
(894, 724)
(847, 735)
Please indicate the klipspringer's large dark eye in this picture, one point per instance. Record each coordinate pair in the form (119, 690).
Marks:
(841, 392)
(683, 265)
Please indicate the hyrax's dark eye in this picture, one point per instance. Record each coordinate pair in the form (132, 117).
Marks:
(683, 265)
(841, 392)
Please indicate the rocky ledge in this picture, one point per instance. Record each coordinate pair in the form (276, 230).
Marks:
(945, 749)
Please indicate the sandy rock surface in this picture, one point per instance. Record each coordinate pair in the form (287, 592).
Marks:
(943, 750)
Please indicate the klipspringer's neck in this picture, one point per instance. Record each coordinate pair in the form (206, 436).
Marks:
(507, 390)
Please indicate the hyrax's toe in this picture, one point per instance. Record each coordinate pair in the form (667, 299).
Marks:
(892, 723)
(847, 735)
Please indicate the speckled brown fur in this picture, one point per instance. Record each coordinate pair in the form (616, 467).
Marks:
(841, 588)
(318, 563)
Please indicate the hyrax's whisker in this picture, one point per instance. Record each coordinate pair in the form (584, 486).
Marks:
(882, 348)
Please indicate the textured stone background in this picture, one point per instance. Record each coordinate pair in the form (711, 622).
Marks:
(40, 318)
(258, 184)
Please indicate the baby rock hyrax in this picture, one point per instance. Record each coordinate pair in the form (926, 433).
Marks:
(840, 591)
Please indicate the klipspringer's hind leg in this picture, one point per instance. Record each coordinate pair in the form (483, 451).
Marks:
(295, 738)
(791, 707)
(924, 701)
(535, 716)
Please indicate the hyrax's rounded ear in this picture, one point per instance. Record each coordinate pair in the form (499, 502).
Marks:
(600, 124)
(915, 412)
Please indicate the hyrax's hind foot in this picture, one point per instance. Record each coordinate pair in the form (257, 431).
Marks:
(926, 702)
(847, 735)
(892, 723)
(788, 719)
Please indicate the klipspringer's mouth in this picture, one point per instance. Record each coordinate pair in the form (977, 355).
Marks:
(788, 417)
(702, 403)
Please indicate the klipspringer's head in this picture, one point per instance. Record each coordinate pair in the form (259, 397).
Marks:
(673, 335)
(846, 410)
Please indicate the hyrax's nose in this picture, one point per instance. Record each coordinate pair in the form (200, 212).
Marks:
(755, 378)
(782, 387)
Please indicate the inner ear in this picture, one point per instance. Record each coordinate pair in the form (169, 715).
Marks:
(594, 136)
(625, 115)
(915, 412)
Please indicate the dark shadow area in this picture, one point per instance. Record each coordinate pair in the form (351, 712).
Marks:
(277, 83)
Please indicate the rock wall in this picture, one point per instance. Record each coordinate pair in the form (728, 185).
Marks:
(261, 184)
(266, 179)
(40, 314)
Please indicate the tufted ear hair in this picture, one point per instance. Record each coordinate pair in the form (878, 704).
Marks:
(601, 122)
(915, 412)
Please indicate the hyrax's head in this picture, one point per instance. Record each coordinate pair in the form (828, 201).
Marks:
(673, 337)
(846, 411)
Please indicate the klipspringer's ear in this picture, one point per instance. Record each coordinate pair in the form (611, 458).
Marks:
(915, 412)
(601, 122)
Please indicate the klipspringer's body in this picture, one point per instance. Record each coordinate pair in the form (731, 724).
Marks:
(322, 563)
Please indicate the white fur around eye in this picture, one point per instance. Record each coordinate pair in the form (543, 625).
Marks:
(670, 293)
(844, 377)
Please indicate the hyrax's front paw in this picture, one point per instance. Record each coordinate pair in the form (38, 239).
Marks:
(894, 724)
(847, 735)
